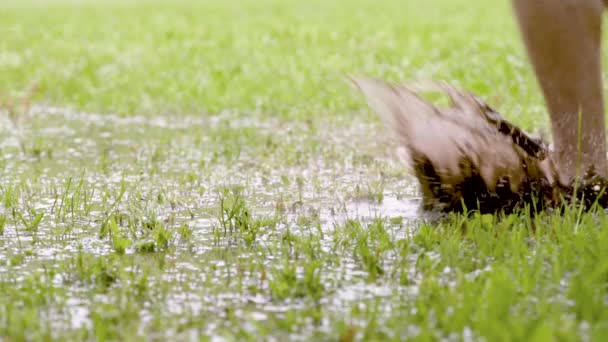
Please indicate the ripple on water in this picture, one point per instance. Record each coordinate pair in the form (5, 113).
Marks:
(317, 186)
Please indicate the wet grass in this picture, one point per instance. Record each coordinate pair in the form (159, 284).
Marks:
(198, 170)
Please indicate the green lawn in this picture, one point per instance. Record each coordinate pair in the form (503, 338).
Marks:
(198, 170)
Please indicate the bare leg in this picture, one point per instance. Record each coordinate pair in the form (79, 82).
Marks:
(563, 42)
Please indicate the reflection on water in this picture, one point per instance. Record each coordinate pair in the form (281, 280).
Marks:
(74, 170)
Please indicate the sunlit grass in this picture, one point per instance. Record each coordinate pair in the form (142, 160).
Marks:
(280, 58)
(193, 169)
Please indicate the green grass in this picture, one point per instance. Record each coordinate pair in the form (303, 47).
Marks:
(200, 169)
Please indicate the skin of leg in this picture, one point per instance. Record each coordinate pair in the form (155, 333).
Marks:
(562, 38)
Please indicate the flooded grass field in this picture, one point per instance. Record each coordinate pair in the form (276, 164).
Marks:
(202, 170)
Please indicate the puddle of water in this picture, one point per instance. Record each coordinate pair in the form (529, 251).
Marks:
(170, 171)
